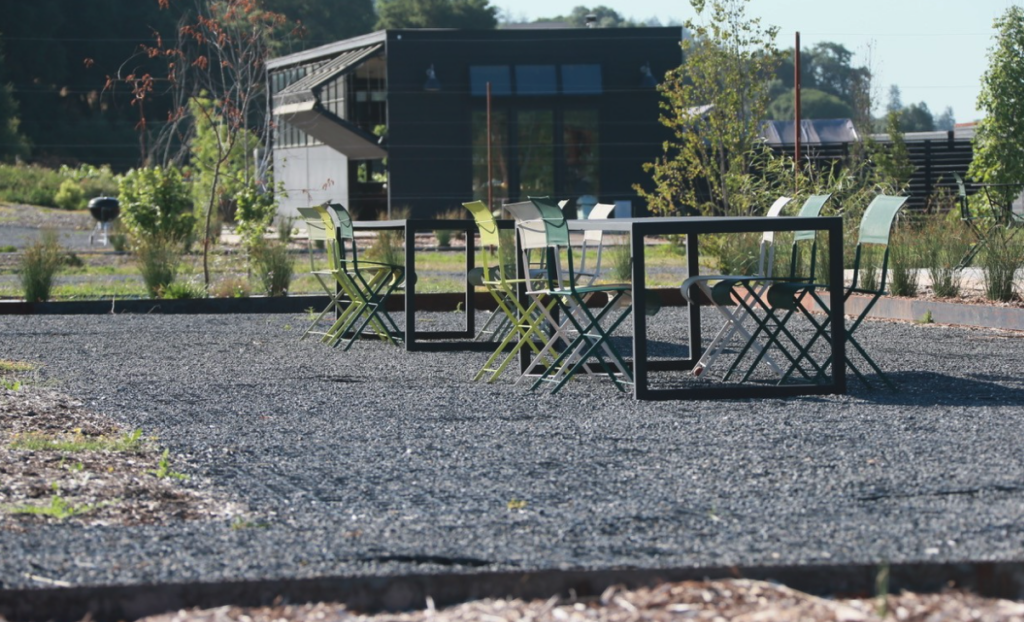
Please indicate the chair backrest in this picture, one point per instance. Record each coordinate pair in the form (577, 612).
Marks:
(811, 209)
(876, 223)
(600, 211)
(807, 237)
(875, 228)
(768, 237)
(315, 230)
(527, 217)
(337, 219)
(485, 222)
(556, 232)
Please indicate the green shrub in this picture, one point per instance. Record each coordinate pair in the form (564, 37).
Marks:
(30, 185)
(255, 210)
(159, 258)
(285, 229)
(38, 266)
(273, 267)
(903, 259)
(183, 290)
(231, 287)
(95, 181)
(70, 195)
(156, 202)
(1002, 256)
(944, 245)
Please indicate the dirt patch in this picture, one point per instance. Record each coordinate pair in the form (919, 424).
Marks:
(60, 462)
(750, 601)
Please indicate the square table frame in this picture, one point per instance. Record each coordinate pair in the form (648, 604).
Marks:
(443, 340)
(638, 229)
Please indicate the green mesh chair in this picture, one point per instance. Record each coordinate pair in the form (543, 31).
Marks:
(875, 229)
(701, 285)
(746, 294)
(317, 233)
(367, 284)
(588, 332)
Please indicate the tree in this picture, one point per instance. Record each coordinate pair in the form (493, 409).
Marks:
(217, 74)
(895, 99)
(325, 21)
(999, 137)
(825, 68)
(916, 118)
(605, 17)
(466, 14)
(945, 121)
(814, 104)
(714, 104)
(12, 143)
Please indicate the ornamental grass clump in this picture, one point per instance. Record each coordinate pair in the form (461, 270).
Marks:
(159, 257)
(903, 260)
(38, 266)
(943, 246)
(1000, 260)
(272, 266)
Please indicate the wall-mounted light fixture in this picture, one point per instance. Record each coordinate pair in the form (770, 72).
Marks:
(647, 80)
(433, 84)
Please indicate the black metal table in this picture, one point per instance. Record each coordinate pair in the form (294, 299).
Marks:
(439, 340)
(693, 227)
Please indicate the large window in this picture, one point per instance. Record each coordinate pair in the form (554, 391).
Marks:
(536, 152)
(498, 176)
(535, 80)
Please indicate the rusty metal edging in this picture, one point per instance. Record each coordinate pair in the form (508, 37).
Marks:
(376, 593)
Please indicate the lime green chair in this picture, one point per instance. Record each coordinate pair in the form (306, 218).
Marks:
(588, 332)
(792, 296)
(523, 322)
(367, 284)
(317, 233)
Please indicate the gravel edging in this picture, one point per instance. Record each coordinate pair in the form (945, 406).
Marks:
(379, 462)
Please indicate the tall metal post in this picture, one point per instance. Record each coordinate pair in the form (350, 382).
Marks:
(796, 114)
(490, 173)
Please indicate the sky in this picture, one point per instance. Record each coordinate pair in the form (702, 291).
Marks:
(935, 50)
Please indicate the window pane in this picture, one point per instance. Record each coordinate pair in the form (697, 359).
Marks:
(579, 133)
(536, 80)
(536, 153)
(497, 75)
(581, 79)
(499, 163)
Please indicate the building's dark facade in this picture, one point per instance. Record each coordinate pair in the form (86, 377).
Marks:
(573, 112)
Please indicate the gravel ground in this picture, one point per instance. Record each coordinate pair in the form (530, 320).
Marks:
(377, 461)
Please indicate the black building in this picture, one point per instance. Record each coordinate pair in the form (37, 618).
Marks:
(573, 112)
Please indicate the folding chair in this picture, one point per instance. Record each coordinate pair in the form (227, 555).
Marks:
(875, 229)
(368, 285)
(588, 333)
(521, 321)
(728, 310)
(972, 222)
(593, 241)
(316, 232)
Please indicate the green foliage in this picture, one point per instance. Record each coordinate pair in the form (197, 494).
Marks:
(824, 68)
(130, 442)
(29, 185)
(159, 258)
(273, 267)
(814, 104)
(943, 244)
(58, 507)
(70, 195)
(999, 137)
(606, 18)
(285, 229)
(95, 181)
(163, 468)
(1001, 258)
(904, 257)
(465, 14)
(156, 203)
(231, 287)
(38, 265)
(715, 126)
(325, 22)
(219, 152)
(188, 289)
(892, 161)
(256, 208)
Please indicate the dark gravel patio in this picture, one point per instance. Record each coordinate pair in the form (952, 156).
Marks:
(375, 461)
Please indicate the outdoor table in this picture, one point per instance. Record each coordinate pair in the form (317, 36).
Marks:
(693, 227)
(442, 340)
